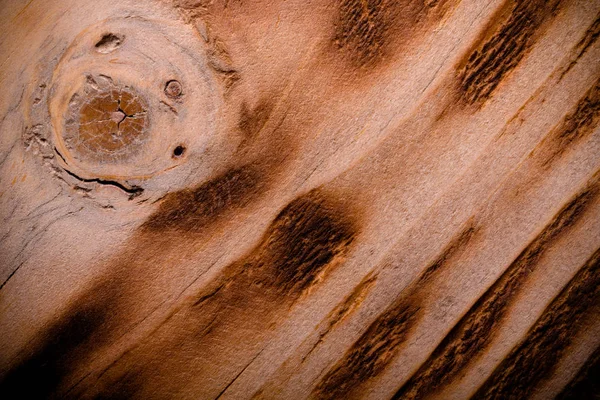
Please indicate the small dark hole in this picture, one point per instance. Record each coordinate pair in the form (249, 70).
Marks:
(178, 151)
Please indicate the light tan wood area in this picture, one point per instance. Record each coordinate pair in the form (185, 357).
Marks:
(292, 199)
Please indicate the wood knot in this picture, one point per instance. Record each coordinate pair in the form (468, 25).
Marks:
(106, 121)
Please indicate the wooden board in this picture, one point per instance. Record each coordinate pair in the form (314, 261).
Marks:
(290, 199)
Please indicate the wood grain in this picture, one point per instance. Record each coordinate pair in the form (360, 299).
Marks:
(293, 199)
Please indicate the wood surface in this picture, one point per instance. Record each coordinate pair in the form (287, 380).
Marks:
(291, 199)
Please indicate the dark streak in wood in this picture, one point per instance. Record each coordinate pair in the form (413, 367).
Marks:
(477, 328)
(589, 38)
(535, 358)
(345, 308)
(382, 340)
(575, 126)
(352, 301)
(505, 42)
(60, 348)
(306, 236)
(191, 210)
(457, 244)
(586, 385)
(371, 353)
(368, 32)
(362, 29)
(306, 240)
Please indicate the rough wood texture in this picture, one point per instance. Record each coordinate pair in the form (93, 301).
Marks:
(290, 199)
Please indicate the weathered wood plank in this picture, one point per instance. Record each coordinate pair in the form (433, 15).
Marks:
(299, 199)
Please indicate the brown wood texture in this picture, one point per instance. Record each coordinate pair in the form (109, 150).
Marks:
(300, 199)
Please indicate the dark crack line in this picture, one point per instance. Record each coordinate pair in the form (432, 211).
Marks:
(238, 375)
(134, 191)
(125, 115)
(11, 275)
